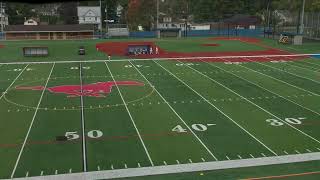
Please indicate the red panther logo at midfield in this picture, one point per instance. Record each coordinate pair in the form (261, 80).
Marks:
(99, 89)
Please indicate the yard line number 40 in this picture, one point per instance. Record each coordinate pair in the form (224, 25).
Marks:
(196, 127)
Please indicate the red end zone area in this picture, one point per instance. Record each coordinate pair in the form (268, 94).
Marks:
(1, 46)
(270, 54)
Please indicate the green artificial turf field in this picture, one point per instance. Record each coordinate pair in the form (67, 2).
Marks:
(128, 114)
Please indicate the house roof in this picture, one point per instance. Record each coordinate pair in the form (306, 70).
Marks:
(83, 10)
(50, 28)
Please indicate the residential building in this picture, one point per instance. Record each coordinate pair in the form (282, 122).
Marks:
(90, 15)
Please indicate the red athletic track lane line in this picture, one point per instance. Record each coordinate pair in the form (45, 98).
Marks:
(285, 176)
(110, 138)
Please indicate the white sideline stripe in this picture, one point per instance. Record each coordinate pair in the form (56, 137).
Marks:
(258, 106)
(13, 82)
(266, 89)
(287, 72)
(183, 168)
(84, 150)
(129, 113)
(182, 58)
(220, 110)
(284, 82)
(173, 110)
(31, 124)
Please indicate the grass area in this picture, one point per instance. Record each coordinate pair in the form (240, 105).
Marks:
(197, 45)
(67, 50)
(246, 173)
(185, 111)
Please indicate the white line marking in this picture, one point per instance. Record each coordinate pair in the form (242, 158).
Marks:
(304, 67)
(259, 107)
(297, 151)
(203, 160)
(318, 149)
(190, 161)
(125, 166)
(239, 157)
(289, 72)
(184, 168)
(165, 163)
(129, 113)
(139, 165)
(56, 172)
(267, 90)
(84, 152)
(112, 167)
(158, 59)
(219, 109)
(286, 152)
(263, 155)
(41, 173)
(227, 157)
(98, 168)
(27, 174)
(70, 170)
(194, 134)
(281, 81)
(6, 91)
(177, 161)
(31, 124)
(251, 155)
(309, 150)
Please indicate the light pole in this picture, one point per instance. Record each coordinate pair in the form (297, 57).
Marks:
(157, 25)
(100, 18)
(301, 28)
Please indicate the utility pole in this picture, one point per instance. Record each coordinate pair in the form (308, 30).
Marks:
(106, 11)
(301, 28)
(2, 17)
(100, 18)
(157, 25)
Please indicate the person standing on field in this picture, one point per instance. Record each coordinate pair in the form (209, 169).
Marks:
(151, 50)
(157, 50)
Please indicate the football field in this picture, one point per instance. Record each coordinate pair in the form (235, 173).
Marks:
(70, 117)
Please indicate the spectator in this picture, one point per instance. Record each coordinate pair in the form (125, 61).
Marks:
(157, 50)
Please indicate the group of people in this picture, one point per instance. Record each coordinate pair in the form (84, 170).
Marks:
(144, 50)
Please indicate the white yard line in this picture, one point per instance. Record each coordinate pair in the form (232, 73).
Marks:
(84, 149)
(6, 91)
(286, 71)
(183, 168)
(221, 111)
(31, 124)
(315, 64)
(266, 89)
(304, 67)
(281, 81)
(173, 110)
(182, 58)
(302, 132)
(129, 113)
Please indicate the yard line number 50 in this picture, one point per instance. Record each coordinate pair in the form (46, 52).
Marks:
(94, 134)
